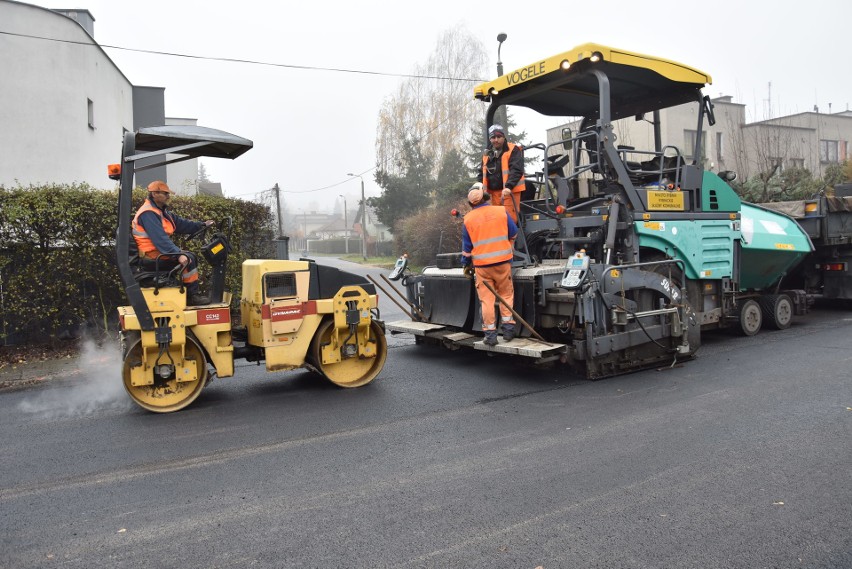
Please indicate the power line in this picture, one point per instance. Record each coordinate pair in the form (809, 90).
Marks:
(285, 191)
(248, 61)
(416, 140)
(268, 64)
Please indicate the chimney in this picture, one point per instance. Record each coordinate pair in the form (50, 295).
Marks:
(82, 17)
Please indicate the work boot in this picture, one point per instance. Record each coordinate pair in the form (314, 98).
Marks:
(197, 299)
(508, 332)
(490, 338)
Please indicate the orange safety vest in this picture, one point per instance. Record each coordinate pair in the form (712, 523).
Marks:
(143, 242)
(488, 229)
(504, 163)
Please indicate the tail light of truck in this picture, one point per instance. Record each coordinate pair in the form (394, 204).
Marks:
(834, 267)
(811, 208)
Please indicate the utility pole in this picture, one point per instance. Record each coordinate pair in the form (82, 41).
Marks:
(305, 217)
(363, 217)
(277, 191)
(345, 224)
(769, 100)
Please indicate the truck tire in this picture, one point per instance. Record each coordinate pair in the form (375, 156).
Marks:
(777, 310)
(751, 318)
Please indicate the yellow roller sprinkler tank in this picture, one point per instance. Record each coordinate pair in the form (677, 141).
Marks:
(591, 53)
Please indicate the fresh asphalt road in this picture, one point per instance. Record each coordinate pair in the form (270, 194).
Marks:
(740, 458)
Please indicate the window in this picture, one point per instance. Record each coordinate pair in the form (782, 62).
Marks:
(91, 110)
(796, 162)
(828, 151)
(776, 163)
(689, 140)
(719, 148)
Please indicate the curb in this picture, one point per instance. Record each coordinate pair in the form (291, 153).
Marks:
(27, 375)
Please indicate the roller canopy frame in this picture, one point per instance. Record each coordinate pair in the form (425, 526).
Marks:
(154, 143)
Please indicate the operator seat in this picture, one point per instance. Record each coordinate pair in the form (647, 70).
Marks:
(153, 278)
(145, 273)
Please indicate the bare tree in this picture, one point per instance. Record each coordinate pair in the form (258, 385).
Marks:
(737, 143)
(437, 109)
(771, 163)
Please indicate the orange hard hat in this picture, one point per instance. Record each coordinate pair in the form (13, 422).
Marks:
(159, 186)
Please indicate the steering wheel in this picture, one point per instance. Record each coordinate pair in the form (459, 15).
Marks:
(226, 222)
(199, 234)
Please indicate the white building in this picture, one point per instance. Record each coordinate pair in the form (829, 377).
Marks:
(182, 177)
(65, 106)
(807, 140)
(811, 140)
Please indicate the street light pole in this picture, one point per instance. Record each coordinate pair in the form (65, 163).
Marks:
(363, 216)
(501, 114)
(345, 224)
(501, 37)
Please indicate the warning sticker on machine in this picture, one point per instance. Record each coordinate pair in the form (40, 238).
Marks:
(666, 201)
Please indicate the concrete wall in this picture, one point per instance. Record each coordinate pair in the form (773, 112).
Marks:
(46, 136)
(149, 110)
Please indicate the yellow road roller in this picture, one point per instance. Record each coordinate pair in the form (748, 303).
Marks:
(293, 314)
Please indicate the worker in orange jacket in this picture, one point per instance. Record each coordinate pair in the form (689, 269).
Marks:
(488, 234)
(502, 173)
(153, 226)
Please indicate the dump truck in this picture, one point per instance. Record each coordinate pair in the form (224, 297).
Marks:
(625, 255)
(293, 314)
(827, 219)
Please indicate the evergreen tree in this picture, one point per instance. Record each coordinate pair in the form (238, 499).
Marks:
(454, 179)
(406, 194)
(477, 143)
(202, 173)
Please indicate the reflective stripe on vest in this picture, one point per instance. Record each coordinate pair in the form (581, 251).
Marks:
(143, 242)
(504, 164)
(488, 228)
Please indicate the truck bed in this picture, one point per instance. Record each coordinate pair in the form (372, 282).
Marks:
(829, 224)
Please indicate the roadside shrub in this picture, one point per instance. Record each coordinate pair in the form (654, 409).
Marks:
(430, 232)
(57, 256)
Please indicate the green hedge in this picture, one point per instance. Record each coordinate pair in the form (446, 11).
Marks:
(57, 256)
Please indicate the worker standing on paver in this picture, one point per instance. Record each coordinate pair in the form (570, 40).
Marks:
(488, 234)
(502, 173)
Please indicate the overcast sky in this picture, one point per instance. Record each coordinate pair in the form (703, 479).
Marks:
(311, 127)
